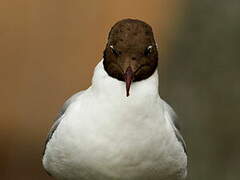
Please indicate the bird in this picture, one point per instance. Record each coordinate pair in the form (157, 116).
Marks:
(119, 128)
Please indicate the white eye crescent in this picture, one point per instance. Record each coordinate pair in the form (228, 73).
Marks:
(149, 47)
(114, 51)
(148, 50)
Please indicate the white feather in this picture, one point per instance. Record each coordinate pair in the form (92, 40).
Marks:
(105, 135)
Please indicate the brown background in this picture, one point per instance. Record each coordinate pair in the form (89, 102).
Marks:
(48, 50)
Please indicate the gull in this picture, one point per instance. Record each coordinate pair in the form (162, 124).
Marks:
(119, 128)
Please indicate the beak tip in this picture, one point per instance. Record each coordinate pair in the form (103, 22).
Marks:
(128, 79)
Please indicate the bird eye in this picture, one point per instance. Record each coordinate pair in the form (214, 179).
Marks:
(148, 50)
(115, 52)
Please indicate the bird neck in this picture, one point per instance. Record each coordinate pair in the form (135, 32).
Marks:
(105, 86)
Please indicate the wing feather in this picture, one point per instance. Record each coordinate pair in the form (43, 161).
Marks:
(60, 118)
(172, 117)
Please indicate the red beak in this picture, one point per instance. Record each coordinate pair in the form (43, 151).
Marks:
(128, 76)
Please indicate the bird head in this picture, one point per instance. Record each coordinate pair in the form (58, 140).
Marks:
(131, 53)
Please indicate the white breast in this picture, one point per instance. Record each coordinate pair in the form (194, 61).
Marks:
(106, 135)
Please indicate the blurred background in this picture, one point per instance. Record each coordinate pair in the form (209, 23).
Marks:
(48, 50)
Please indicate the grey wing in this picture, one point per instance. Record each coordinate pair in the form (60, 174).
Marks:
(172, 116)
(50, 133)
(60, 117)
(67, 103)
